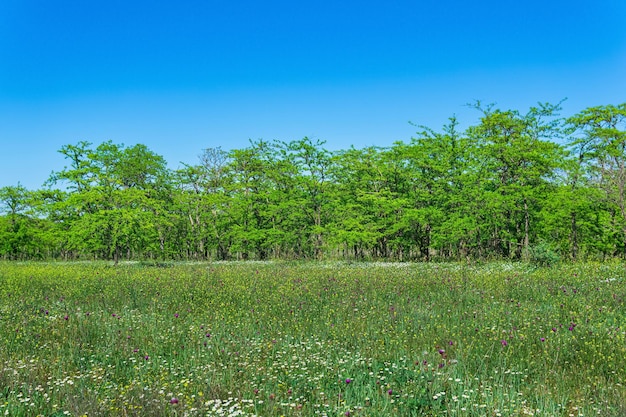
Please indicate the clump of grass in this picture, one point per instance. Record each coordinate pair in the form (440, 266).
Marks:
(273, 339)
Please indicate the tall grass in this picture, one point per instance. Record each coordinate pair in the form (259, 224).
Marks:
(309, 339)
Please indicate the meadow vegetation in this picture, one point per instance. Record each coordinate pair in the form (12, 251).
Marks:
(309, 339)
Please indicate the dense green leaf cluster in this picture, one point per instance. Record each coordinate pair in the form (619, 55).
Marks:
(507, 187)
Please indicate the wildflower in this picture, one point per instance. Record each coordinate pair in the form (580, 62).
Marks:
(174, 400)
(66, 317)
(543, 339)
(504, 342)
(176, 315)
(389, 392)
(146, 357)
(554, 329)
(441, 351)
(348, 380)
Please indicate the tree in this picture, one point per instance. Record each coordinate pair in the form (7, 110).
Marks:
(312, 165)
(249, 189)
(441, 179)
(203, 204)
(15, 227)
(599, 138)
(361, 202)
(115, 194)
(518, 162)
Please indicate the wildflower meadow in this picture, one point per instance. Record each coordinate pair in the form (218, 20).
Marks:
(312, 339)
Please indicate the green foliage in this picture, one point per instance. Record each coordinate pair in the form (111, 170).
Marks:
(493, 191)
(599, 139)
(542, 254)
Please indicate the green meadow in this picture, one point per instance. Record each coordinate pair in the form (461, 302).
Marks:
(312, 339)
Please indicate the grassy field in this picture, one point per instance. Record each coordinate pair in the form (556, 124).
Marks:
(272, 339)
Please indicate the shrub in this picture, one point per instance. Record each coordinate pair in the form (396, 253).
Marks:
(543, 255)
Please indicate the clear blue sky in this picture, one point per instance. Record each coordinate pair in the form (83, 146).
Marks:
(186, 75)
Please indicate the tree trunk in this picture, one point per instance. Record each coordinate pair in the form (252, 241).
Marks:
(526, 227)
(574, 236)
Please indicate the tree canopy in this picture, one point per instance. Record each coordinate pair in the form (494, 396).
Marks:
(509, 184)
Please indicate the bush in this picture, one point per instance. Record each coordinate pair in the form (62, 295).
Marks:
(543, 255)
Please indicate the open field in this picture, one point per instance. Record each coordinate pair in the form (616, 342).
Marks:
(273, 339)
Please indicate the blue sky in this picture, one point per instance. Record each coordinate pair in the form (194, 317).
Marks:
(186, 75)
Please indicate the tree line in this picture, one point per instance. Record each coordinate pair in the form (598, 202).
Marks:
(506, 187)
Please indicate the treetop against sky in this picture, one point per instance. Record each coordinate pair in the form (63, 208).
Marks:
(198, 74)
(500, 189)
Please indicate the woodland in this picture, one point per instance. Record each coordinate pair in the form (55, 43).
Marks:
(513, 186)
